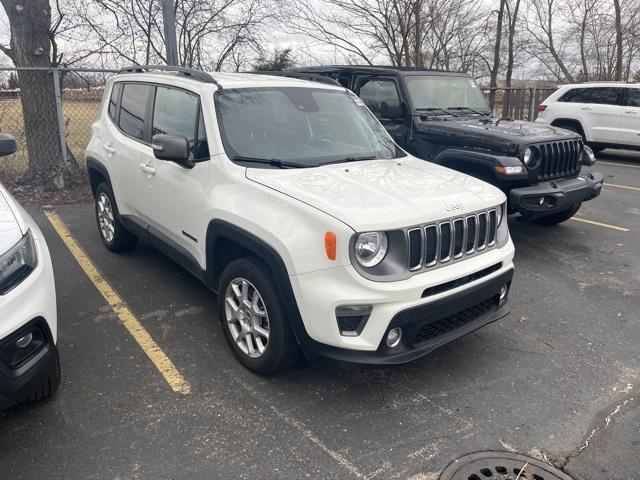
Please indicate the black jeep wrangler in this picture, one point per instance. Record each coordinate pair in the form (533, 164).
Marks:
(444, 117)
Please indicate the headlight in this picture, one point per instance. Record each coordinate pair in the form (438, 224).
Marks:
(500, 212)
(17, 263)
(370, 248)
(528, 156)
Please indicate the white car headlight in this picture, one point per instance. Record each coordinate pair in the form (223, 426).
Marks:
(500, 212)
(370, 248)
(17, 263)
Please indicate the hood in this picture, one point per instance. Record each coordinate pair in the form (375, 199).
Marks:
(10, 231)
(383, 194)
(486, 132)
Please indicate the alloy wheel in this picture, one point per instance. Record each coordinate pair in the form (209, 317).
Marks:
(105, 217)
(247, 317)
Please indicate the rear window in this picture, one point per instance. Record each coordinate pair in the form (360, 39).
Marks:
(113, 101)
(596, 95)
(133, 108)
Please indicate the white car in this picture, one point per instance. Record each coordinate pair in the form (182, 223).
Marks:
(29, 364)
(288, 199)
(607, 115)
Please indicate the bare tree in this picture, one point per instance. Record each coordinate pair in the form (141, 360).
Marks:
(619, 43)
(209, 32)
(493, 82)
(512, 23)
(33, 44)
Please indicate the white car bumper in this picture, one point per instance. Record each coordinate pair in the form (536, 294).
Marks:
(29, 308)
(402, 303)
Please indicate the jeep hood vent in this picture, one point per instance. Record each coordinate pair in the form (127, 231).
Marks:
(383, 194)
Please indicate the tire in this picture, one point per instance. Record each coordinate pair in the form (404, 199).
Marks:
(112, 233)
(264, 355)
(559, 217)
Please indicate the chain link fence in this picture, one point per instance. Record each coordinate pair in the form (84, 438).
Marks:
(66, 103)
(518, 103)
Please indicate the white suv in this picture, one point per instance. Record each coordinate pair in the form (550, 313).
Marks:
(289, 199)
(607, 115)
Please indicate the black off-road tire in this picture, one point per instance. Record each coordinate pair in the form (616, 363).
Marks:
(559, 217)
(282, 350)
(122, 240)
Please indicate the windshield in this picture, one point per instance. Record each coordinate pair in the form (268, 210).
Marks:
(437, 91)
(304, 127)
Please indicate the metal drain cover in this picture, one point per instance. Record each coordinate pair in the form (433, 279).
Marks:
(501, 466)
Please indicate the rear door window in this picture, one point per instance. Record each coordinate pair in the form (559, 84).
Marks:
(595, 95)
(633, 97)
(133, 109)
(177, 112)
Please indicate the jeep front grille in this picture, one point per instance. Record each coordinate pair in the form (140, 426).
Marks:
(449, 240)
(559, 159)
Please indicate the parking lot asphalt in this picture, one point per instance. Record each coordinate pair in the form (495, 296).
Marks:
(557, 379)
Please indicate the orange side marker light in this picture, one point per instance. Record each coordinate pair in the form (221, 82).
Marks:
(330, 245)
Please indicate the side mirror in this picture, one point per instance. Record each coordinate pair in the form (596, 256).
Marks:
(8, 145)
(173, 148)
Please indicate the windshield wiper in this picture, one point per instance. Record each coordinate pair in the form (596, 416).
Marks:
(477, 112)
(274, 162)
(361, 158)
(435, 109)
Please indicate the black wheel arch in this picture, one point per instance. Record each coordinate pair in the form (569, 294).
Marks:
(227, 242)
(569, 122)
(97, 174)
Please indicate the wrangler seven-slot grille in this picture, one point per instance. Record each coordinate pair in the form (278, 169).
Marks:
(441, 242)
(559, 159)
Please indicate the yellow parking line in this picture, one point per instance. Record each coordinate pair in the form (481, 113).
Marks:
(126, 316)
(619, 164)
(626, 187)
(600, 224)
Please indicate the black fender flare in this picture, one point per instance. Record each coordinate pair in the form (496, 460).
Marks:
(96, 165)
(220, 229)
(475, 161)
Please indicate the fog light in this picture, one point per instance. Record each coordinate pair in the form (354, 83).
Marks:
(393, 337)
(24, 342)
(503, 292)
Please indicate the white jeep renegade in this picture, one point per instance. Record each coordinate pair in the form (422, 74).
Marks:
(289, 199)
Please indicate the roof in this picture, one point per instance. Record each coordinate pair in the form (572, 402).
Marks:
(600, 84)
(375, 69)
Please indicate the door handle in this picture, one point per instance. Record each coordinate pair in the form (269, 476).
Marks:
(631, 112)
(109, 148)
(586, 108)
(147, 169)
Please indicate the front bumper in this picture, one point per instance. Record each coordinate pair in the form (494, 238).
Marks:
(556, 195)
(429, 326)
(37, 376)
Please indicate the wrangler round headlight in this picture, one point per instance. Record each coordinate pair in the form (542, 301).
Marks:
(528, 156)
(370, 248)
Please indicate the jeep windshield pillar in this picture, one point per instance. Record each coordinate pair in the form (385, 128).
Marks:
(443, 117)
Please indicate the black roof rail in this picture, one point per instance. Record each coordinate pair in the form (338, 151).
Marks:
(187, 72)
(301, 76)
